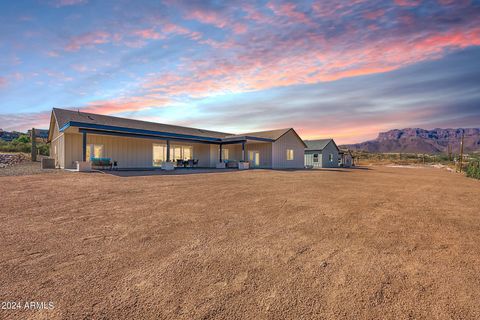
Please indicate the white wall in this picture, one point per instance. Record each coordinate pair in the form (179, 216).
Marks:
(279, 152)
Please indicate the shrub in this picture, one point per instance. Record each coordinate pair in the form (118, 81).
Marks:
(473, 169)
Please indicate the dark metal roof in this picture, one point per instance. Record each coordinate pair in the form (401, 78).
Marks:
(66, 118)
(318, 144)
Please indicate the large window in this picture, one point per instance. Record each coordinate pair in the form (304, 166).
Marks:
(159, 154)
(315, 157)
(290, 154)
(176, 153)
(94, 151)
(181, 153)
(225, 154)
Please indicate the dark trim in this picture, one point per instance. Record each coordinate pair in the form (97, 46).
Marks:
(138, 131)
(140, 136)
(243, 151)
(84, 146)
(244, 138)
(168, 150)
(220, 157)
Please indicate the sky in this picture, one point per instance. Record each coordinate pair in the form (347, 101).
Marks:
(340, 69)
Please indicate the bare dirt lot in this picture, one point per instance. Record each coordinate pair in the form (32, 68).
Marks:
(382, 243)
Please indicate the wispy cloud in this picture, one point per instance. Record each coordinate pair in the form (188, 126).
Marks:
(65, 3)
(89, 39)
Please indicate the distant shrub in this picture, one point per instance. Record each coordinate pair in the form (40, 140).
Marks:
(19, 145)
(473, 169)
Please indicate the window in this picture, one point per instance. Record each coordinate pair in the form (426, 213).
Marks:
(224, 154)
(315, 157)
(330, 157)
(290, 154)
(159, 154)
(181, 153)
(94, 151)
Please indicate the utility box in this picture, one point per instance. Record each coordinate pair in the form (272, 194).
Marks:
(48, 163)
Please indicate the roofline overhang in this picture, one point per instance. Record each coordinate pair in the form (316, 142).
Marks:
(158, 134)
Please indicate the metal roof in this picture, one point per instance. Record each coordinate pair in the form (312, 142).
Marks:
(318, 144)
(66, 118)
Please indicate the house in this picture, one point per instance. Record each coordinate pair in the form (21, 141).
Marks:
(321, 153)
(41, 134)
(78, 137)
(346, 158)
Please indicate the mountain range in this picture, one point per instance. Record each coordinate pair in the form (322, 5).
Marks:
(416, 140)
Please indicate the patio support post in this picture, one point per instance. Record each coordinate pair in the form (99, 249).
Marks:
(168, 150)
(220, 156)
(243, 151)
(84, 146)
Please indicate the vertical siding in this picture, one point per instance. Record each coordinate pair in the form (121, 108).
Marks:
(265, 150)
(132, 152)
(202, 153)
(329, 148)
(214, 150)
(279, 152)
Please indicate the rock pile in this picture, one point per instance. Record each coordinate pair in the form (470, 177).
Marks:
(9, 159)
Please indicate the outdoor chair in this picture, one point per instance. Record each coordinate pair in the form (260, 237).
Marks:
(180, 163)
(195, 163)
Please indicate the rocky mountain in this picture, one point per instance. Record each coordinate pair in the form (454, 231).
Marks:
(416, 140)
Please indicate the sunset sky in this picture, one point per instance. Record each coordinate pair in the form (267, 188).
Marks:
(341, 69)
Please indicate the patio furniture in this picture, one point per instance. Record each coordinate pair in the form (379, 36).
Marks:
(180, 163)
(190, 163)
(195, 162)
(101, 163)
(232, 164)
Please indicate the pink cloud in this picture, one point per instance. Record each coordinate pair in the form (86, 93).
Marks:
(125, 104)
(64, 3)
(24, 121)
(407, 3)
(149, 34)
(89, 39)
(3, 82)
(374, 15)
(309, 60)
(289, 10)
(208, 17)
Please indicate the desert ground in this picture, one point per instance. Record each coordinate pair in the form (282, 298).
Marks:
(371, 243)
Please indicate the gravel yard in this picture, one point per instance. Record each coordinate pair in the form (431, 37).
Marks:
(377, 243)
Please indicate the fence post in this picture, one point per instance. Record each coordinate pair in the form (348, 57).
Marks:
(34, 145)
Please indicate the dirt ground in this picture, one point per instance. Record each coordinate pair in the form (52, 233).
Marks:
(373, 243)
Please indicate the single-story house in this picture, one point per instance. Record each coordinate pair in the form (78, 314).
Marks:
(321, 153)
(80, 136)
(346, 158)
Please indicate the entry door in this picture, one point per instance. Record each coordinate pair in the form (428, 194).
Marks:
(254, 158)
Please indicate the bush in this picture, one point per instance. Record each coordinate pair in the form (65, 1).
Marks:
(18, 145)
(473, 169)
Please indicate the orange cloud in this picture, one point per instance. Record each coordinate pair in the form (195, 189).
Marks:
(252, 72)
(125, 104)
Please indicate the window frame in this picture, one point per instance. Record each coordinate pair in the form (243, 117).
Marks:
(290, 155)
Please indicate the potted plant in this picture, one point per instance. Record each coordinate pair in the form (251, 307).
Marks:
(243, 165)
